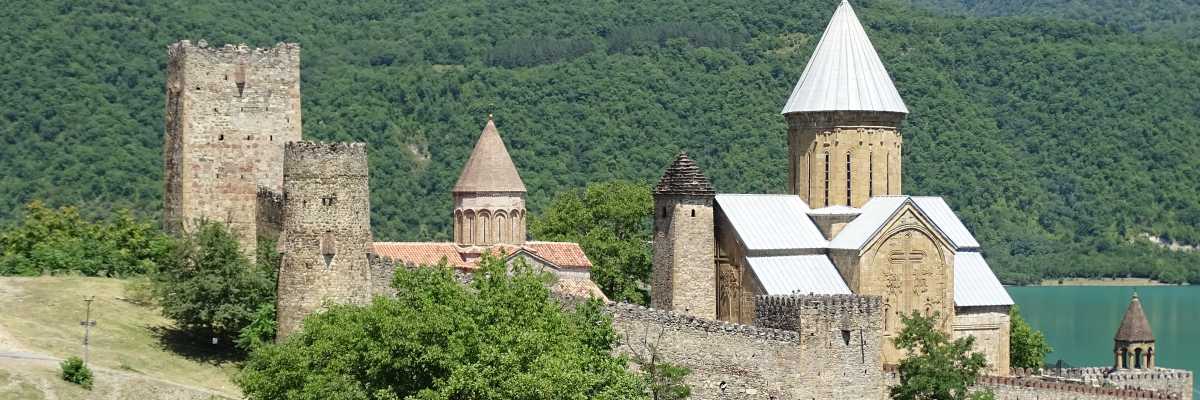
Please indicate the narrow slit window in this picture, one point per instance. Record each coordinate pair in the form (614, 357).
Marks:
(870, 175)
(849, 177)
(826, 179)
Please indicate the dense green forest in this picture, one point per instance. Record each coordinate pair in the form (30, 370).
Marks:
(1168, 18)
(1059, 142)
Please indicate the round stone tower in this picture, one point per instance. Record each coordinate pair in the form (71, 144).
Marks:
(843, 121)
(684, 276)
(489, 198)
(326, 226)
(1133, 346)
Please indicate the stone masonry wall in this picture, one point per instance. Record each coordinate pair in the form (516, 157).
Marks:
(326, 239)
(733, 361)
(268, 214)
(872, 141)
(1157, 379)
(990, 327)
(1023, 386)
(229, 112)
(684, 276)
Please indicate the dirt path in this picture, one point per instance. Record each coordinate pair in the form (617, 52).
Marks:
(15, 360)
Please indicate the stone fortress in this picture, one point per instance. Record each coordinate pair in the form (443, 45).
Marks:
(791, 296)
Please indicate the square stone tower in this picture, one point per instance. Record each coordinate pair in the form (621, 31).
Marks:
(684, 277)
(229, 112)
(326, 238)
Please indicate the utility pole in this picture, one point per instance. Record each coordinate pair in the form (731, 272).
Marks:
(87, 323)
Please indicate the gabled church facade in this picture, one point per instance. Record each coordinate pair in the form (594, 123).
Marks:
(845, 227)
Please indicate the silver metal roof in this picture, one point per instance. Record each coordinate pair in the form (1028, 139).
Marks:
(940, 213)
(803, 274)
(835, 210)
(766, 222)
(875, 213)
(975, 284)
(844, 72)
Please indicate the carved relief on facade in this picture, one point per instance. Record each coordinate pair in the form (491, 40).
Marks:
(908, 267)
(729, 292)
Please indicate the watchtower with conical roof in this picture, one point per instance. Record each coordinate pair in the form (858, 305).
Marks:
(684, 277)
(843, 121)
(1133, 345)
(489, 198)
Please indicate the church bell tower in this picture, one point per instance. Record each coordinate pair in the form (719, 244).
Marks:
(843, 121)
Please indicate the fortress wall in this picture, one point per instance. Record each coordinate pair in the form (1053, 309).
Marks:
(1158, 379)
(268, 214)
(1050, 386)
(832, 354)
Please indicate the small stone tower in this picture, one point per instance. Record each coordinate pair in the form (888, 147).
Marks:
(489, 198)
(684, 277)
(1133, 346)
(326, 234)
(843, 121)
(229, 112)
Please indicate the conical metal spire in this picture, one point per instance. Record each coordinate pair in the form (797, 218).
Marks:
(844, 73)
(489, 169)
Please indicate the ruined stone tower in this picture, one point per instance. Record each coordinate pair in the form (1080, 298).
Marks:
(229, 112)
(843, 121)
(326, 234)
(489, 198)
(684, 277)
(1133, 345)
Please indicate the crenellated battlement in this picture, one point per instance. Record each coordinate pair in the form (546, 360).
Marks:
(821, 303)
(304, 158)
(676, 320)
(230, 51)
(811, 313)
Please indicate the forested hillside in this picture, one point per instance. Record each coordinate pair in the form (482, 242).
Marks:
(1058, 142)
(1178, 19)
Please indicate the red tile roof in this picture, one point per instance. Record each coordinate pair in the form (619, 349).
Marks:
(561, 254)
(565, 255)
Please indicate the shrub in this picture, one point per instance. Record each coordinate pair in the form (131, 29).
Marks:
(74, 371)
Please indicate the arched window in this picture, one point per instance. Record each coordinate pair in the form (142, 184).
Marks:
(1137, 358)
(1150, 357)
(849, 177)
(458, 226)
(469, 228)
(870, 175)
(1124, 358)
(826, 179)
(484, 234)
(518, 228)
(503, 231)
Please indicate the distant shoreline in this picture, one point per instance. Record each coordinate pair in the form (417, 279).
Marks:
(1102, 282)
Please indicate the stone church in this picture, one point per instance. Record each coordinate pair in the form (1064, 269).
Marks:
(844, 228)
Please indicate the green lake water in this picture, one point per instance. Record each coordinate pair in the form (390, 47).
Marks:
(1080, 321)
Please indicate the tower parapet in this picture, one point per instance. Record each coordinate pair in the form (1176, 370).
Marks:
(326, 238)
(229, 112)
(684, 276)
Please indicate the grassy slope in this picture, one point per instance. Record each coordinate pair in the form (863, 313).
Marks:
(41, 315)
(31, 380)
